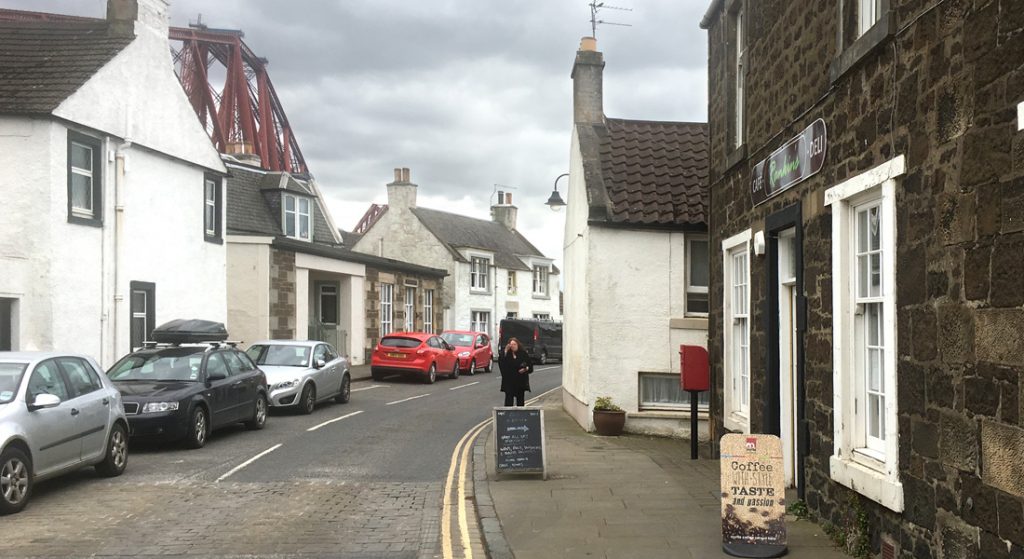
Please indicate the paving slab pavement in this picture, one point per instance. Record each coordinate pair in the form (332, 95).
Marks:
(613, 498)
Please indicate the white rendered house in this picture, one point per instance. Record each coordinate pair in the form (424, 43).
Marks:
(112, 190)
(493, 271)
(636, 259)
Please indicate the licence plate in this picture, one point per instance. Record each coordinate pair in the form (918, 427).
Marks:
(396, 355)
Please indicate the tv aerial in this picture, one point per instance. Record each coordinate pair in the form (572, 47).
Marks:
(596, 7)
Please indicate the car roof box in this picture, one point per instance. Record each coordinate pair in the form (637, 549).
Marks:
(189, 331)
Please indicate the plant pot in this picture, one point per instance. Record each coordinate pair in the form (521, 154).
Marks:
(609, 423)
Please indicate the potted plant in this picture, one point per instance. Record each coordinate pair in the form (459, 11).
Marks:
(609, 419)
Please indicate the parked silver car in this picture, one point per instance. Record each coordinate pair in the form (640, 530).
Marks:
(302, 373)
(57, 414)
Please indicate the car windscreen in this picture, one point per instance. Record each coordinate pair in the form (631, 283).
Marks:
(179, 364)
(10, 379)
(458, 339)
(280, 355)
(400, 342)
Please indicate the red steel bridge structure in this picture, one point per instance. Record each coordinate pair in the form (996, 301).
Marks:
(245, 116)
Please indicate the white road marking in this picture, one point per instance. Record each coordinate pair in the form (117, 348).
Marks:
(546, 368)
(329, 421)
(407, 399)
(249, 461)
(371, 387)
(464, 385)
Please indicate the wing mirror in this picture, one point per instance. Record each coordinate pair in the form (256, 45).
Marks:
(319, 363)
(216, 376)
(43, 401)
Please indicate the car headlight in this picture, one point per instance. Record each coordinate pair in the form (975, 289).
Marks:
(155, 407)
(285, 384)
(463, 354)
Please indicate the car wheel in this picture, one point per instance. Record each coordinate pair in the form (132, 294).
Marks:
(455, 370)
(259, 414)
(116, 458)
(487, 369)
(544, 358)
(472, 367)
(15, 480)
(346, 390)
(431, 374)
(198, 428)
(308, 401)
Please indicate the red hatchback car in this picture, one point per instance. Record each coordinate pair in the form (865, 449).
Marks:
(472, 348)
(415, 353)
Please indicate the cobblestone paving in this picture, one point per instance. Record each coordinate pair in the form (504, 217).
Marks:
(86, 517)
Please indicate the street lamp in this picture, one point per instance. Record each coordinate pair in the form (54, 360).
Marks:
(555, 201)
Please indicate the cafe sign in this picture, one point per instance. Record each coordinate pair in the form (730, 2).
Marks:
(792, 163)
(753, 496)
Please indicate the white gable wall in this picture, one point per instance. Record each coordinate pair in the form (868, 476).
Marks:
(576, 330)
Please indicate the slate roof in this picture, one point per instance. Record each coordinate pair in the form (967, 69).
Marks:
(254, 206)
(349, 238)
(458, 231)
(647, 173)
(43, 62)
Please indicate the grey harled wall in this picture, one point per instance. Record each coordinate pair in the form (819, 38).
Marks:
(942, 92)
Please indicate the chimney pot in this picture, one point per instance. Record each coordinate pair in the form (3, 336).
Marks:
(588, 44)
(405, 175)
(508, 197)
(398, 174)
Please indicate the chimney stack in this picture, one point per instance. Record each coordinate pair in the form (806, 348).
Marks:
(587, 83)
(401, 192)
(122, 16)
(504, 212)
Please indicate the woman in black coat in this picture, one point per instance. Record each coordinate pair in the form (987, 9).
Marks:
(515, 365)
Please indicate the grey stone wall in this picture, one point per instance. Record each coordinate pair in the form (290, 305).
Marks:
(282, 294)
(942, 90)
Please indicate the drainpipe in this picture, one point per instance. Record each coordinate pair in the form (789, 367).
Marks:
(120, 184)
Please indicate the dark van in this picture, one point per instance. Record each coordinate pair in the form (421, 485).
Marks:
(541, 338)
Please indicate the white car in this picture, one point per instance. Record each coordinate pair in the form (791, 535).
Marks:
(58, 413)
(302, 373)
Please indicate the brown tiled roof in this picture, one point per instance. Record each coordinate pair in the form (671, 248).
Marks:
(653, 174)
(43, 62)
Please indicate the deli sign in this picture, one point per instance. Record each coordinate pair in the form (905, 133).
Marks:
(795, 161)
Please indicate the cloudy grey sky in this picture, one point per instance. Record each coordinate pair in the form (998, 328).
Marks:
(466, 93)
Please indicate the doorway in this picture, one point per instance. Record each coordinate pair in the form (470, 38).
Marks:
(784, 325)
(7, 322)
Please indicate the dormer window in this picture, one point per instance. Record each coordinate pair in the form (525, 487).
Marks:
(297, 222)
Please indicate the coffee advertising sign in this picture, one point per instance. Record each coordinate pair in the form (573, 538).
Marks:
(792, 163)
(753, 496)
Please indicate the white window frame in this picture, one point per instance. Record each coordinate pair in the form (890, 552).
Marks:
(736, 413)
(211, 211)
(480, 321)
(541, 280)
(81, 211)
(696, 289)
(428, 311)
(513, 284)
(868, 14)
(684, 402)
(298, 216)
(410, 309)
(387, 314)
(478, 279)
(739, 68)
(870, 468)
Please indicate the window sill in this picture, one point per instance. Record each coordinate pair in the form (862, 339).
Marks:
(90, 221)
(735, 156)
(881, 31)
(695, 322)
(215, 240)
(884, 489)
(479, 291)
(737, 423)
(677, 413)
(540, 296)
(309, 240)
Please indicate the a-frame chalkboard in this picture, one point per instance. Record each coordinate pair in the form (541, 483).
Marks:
(520, 446)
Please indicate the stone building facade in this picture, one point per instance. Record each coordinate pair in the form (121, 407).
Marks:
(427, 312)
(869, 310)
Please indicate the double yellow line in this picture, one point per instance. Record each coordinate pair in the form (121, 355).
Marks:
(460, 458)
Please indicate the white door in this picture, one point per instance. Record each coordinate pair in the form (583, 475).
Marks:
(787, 352)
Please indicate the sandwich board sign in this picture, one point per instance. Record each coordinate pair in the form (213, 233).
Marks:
(753, 496)
(519, 441)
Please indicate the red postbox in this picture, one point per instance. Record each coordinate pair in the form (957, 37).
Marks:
(694, 374)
